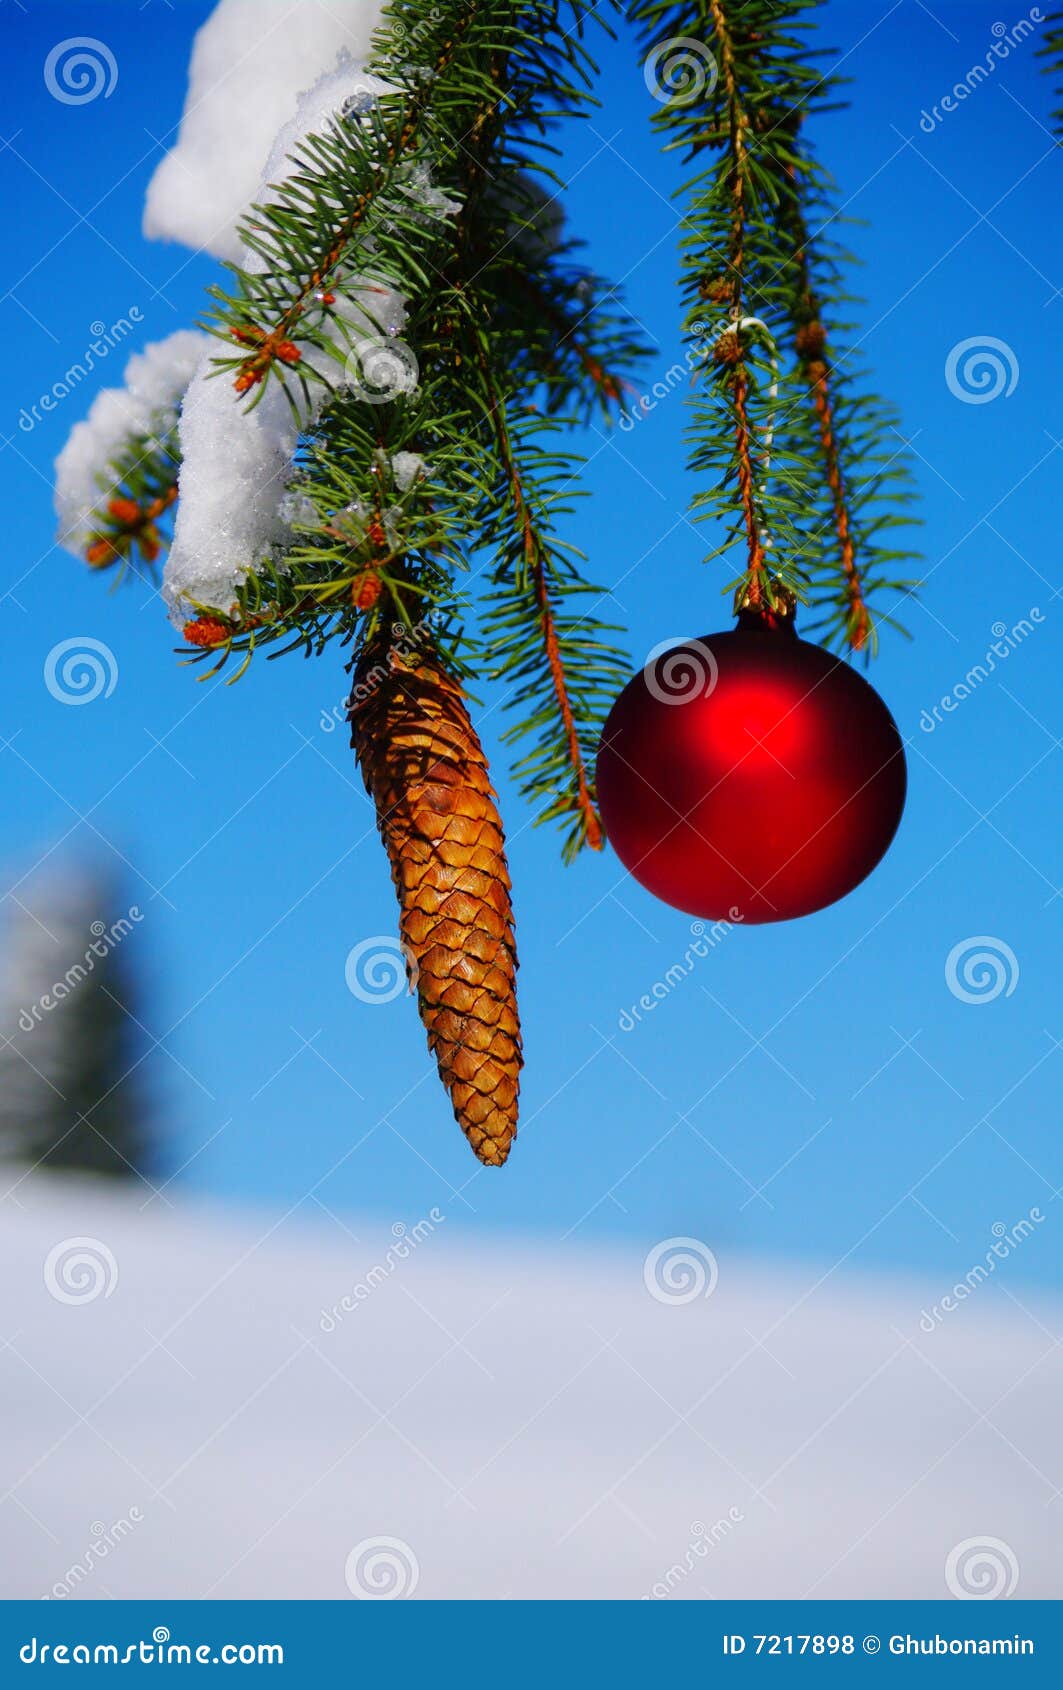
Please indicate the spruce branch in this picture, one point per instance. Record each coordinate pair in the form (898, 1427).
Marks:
(756, 245)
(730, 348)
(520, 330)
(531, 575)
(306, 237)
(510, 333)
(860, 489)
(810, 344)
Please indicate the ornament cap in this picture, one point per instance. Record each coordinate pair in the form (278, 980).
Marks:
(778, 617)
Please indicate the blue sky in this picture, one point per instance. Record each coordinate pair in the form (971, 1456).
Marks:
(811, 1089)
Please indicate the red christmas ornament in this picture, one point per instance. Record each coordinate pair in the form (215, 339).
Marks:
(750, 775)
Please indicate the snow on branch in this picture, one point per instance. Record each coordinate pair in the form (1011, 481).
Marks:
(236, 513)
(127, 439)
(249, 66)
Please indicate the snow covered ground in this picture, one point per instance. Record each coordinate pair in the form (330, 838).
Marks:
(202, 1403)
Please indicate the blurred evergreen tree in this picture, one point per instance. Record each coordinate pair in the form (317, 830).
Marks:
(72, 1091)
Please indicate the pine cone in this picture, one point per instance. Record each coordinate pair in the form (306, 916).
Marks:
(427, 774)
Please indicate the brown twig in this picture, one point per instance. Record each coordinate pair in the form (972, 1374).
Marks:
(810, 344)
(480, 140)
(754, 590)
(533, 559)
(815, 371)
